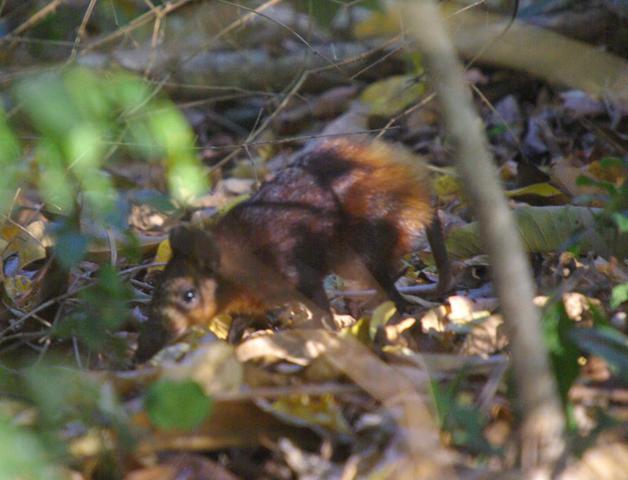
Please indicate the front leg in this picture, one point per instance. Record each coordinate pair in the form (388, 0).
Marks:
(239, 324)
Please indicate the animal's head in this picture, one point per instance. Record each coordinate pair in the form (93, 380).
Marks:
(187, 291)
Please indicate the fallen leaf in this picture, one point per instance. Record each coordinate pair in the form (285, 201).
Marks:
(163, 254)
(381, 315)
(538, 189)
(580, 104)
(214, 367)
(485, 338)
(546, 229)
(602, 462)
(392, 95)
(308, 411)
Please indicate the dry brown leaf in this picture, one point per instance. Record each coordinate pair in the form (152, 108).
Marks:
(214, 367)
(435, 319)
(284, 346)
(606, 462)
(320, 411)
(396, 393)
(394, 331)
(564, 174)
(485, 338)
(231, 424)
(183, 466)
(577, 305)
(616, 272)
(28, 243)
(460, 309)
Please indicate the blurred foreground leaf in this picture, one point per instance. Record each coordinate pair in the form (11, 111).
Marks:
(607, 343)
(22, 455)
(619, 295)
(177, 404)
(557, 328)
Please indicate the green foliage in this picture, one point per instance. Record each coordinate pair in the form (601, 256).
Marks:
(460, 417)
(607, 343)
(177, 404)
(22, 454)
(614, 197)
(81, 115)
(10, 167)
(547, 229)
(563, 351)
(83, 120)
(324, 11)
(106, 308)
(65, 396)
(619, 295)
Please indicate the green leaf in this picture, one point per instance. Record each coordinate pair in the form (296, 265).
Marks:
(177, 404)
(11, 171)
(186, 178)
(621, 220)
(375, 5)
(585, 181)
(62, 394)
(71, 249)
(460, 417)
(548, 229)
(613, 162)
(540, 189)
(23, 455)
(324, 11)
(563, 352)
(605, 342)
(48, 104)
(155, 199)
(392, 95)
(619, 295)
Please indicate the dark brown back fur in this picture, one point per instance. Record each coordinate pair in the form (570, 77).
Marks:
(339, 205)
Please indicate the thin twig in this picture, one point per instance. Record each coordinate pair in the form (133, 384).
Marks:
(32, 21)
(82, 29)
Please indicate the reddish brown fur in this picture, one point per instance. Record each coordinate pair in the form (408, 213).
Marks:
(353, 207)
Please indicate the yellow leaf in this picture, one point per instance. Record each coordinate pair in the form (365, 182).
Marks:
(540, 189)
(17, 287)
(29, 243)
(220, 326)
(305, 410)
(164, 253)
(380, 317)
(447, 187)
(392, 95)
(360, 330)
(376, 24)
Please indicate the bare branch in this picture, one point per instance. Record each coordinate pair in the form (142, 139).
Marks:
(543, 422)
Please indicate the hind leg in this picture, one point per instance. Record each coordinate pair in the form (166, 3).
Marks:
(386, 281)
(317, 302)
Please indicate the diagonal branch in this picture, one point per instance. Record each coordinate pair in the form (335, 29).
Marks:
(543, 421)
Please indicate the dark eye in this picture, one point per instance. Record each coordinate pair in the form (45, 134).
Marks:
(189, 296)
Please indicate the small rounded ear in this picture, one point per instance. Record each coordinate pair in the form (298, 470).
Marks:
(196, 244)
